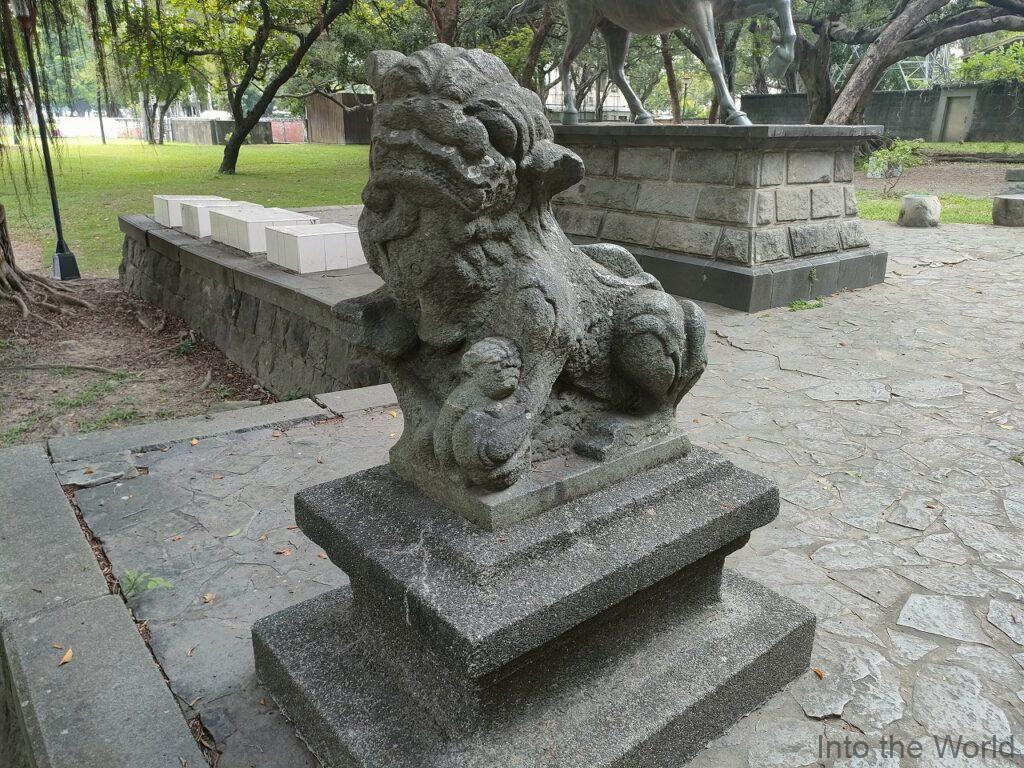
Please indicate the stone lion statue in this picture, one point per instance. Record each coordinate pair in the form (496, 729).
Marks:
(505, 342)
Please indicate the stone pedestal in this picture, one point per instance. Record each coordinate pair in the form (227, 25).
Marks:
(600, 632)
(747, 217)
(1008, 210)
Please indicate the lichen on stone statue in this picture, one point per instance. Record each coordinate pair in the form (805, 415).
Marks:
(506, 343)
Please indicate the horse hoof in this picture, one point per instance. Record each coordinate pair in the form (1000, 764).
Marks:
(643, 119)
(739, 118)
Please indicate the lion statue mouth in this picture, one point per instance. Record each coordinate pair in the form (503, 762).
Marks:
(505, 342)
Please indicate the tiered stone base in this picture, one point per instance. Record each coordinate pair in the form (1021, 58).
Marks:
(600, 632)
(747, 217)
(650, 688)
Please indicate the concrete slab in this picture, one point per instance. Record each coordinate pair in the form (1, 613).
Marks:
(640, 690)
(107, 706)
(145, 437)
(45, 561)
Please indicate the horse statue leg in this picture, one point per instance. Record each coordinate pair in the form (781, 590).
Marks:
(581, 19)
(617, 41)
(782, 57)
(704, 28)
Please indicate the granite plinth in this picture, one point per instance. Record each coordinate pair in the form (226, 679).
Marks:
(649, 688)
(601, 632)
(748, 217)
(480, 599)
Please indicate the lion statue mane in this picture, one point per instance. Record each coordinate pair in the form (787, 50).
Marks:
(505, 342)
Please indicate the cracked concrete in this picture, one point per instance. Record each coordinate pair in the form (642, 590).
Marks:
(891, 419)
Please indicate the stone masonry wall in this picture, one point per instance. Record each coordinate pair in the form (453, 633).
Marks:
(747, 206)
(285, 337)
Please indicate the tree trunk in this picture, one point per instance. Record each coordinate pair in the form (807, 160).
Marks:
(26, 289)
(540, 36)
(444, 18)
(670, 77)
(813, 62)
(234, 146)
(849, 106)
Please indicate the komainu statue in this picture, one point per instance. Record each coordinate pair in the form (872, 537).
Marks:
(618, 19)
(506, 343)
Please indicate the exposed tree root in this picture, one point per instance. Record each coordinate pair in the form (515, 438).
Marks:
(30, 291)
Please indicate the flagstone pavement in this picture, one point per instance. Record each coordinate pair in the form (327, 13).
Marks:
(890, 417)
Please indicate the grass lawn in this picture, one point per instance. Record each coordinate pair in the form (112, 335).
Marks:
(956, 209)
(97, 182)
(1002, 147)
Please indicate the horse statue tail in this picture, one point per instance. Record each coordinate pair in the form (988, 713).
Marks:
(524, 9)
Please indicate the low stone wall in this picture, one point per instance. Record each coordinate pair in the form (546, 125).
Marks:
(277, 326)
(995, 113)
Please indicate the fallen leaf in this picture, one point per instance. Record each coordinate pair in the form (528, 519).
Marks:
(208, 597)
(234, 533)
(819, 672)
(195, 441)
(176, 538)
(293, 527)
(319, 459)
(322, 555)
(283, 552)
(276, 433)
(57, 647)
(88, 472)
(1006, 426)
(393, 414)
(218, 477)
(191, 650)
(67, 657)
(263, 537)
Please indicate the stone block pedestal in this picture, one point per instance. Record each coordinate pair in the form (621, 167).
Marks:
(601, 632)
(747, 217)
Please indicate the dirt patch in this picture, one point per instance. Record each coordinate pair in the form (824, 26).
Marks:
(966, 179)
(123, 362)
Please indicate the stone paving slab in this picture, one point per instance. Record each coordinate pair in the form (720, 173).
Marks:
(890, 417)
(354, 400)
(146, 437)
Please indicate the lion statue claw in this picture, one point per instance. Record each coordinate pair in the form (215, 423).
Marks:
(505, 342)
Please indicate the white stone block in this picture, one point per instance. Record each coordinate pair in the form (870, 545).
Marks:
(313, 247)
(245, 228)
(167, 208)
(195, 215)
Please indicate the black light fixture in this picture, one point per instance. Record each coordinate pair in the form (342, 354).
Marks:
(65, 265)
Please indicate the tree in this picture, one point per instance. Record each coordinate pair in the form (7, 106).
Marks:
(1001, 65)
(156, 42)
(670, 78)
(20, 64)
(258, 46)
(444, 18)
(884, 35)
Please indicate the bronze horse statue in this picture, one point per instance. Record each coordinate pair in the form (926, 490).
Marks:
(617, 20)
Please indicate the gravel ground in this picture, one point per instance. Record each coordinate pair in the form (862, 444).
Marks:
(967, 179)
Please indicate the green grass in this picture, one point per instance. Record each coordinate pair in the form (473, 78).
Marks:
(802, 305)
(956, 209)
(97, 182)
(1002, 147)
(115, 417)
